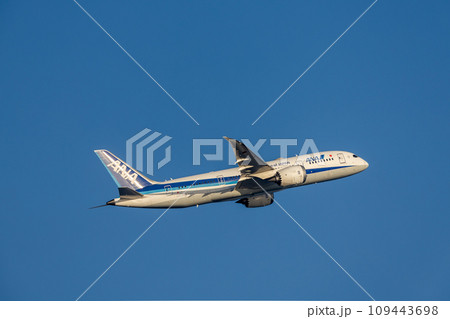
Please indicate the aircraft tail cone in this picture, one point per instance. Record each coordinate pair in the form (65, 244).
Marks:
(111, 202)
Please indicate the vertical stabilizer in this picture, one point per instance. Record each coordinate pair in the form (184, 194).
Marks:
(123, 174)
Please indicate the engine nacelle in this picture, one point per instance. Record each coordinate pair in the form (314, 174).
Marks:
(290, 176)
(257, 201)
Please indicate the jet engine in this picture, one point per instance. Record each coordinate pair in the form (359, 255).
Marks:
(257, 201)
(290, 176)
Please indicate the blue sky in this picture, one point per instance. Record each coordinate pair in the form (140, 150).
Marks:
(380, 92)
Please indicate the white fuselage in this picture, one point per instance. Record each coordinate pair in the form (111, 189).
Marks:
(221, 185)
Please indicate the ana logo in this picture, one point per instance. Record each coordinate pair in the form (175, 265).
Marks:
(128, 175)
(315, 158)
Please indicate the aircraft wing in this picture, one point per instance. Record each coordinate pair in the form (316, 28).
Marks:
(249, 163)
(253, 183)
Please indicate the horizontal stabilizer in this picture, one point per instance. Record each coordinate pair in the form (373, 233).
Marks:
(128, 193)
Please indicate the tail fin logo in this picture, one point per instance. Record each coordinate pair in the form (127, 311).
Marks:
(144, 141)
(128, 175)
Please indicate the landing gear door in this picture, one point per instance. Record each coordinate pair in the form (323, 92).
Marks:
(341, 158)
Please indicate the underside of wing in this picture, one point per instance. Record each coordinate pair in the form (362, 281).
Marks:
(254, 184)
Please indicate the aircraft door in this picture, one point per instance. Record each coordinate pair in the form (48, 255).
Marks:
(341, 158)
(168, 189)
(220, 179)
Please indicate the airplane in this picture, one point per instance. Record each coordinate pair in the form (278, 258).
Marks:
(253, 183)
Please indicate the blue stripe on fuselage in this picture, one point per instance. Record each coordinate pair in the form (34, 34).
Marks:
(177, 186)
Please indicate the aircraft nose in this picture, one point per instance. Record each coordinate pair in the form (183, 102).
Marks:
(364, 164)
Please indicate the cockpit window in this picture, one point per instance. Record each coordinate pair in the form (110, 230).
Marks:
(355, 156)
